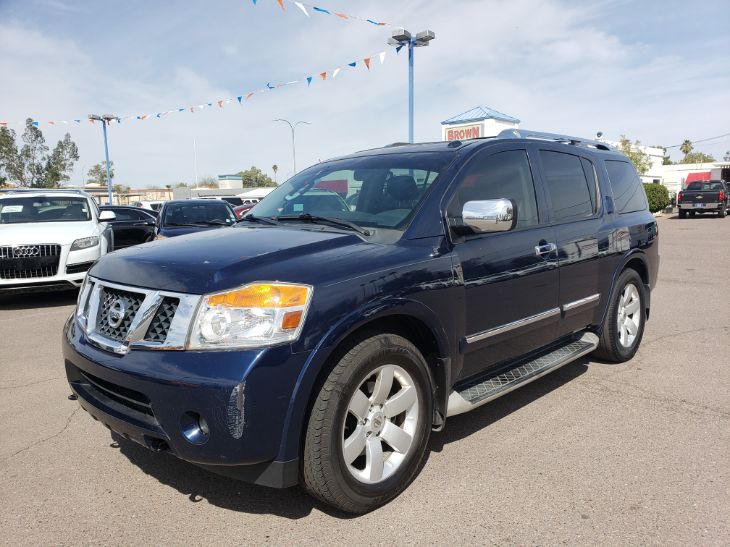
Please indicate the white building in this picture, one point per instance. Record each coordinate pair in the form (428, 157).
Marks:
(655, 173)
(480, 121)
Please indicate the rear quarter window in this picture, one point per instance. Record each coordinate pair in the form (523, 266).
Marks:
(628, 193)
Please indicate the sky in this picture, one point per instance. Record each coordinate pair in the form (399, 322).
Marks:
(653, 70)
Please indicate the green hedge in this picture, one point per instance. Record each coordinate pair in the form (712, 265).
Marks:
(658, 196)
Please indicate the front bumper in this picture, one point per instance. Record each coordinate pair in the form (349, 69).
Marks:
(155, 397)
(72, 268)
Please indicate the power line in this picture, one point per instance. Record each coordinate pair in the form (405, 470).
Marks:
(700, 140)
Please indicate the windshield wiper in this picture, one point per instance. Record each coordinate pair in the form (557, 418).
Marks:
(262, 220)
(306, 217)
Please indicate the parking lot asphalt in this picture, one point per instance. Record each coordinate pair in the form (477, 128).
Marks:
(637, 453)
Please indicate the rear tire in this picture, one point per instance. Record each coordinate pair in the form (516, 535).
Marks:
(721, 213)
(623, 327)
(682, 213)
(369, 427)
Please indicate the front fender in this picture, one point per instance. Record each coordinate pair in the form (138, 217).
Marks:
(306, 382)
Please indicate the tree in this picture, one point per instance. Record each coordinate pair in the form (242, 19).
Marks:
(255, 178)
(666, 160)
(207, 182)
(275, 169)
(97, 173)
(121, 189)
(638, 157)
(60, 163)
(8, 154)
(31, 165)
(697, 157)
(686, 147)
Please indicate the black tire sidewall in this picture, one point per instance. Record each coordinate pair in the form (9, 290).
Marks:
(622, 352)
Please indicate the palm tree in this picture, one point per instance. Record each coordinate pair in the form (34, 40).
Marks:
(686, 147)
(274, 168)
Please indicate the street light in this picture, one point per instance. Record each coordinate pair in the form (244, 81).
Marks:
(293, 142)
(105, 119)
(401, 37)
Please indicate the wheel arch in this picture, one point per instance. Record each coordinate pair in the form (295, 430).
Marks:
(637, 261)
(408, 318)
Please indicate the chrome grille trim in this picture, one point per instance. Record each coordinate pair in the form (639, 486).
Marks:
(87, 315)
(27, 261)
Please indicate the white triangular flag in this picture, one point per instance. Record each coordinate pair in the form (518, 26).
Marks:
(335, 72)
(382, 57)
(301, 7)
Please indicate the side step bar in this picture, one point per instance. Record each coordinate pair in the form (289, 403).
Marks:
(505, 381)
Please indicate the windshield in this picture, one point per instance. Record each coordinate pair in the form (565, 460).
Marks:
(186, 214)
(376, 191)
(17, 210)
(705, 186)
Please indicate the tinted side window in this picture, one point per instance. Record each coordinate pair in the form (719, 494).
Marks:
(502, 175)
(628, 193)
(124, 214)
(567, 185)
(590, 172)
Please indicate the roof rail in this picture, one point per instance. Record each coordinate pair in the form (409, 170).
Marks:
(555, 137)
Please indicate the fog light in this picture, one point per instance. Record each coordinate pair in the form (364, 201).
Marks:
(194, 428)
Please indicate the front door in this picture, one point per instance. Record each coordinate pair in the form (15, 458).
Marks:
(510, 278)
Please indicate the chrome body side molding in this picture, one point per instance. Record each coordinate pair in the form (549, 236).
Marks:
(512, 326)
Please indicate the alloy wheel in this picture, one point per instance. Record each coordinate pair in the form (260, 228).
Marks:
(628, 317)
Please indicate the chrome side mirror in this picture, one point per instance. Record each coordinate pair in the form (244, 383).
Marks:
(490, 215)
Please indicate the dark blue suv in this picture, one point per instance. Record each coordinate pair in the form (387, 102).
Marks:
(320, 341)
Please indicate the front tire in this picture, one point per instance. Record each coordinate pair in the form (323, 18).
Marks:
(623, 327)
(370, 424)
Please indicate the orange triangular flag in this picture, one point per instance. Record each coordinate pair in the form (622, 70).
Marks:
(324, 75)
(281, 4)
(250, 94)
(341, 15)
(366, 60)
(220, 103)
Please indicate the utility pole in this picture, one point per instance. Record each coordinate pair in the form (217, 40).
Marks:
(105, 119)
(293, 141)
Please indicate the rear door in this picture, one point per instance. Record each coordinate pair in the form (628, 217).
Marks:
(510, 278)
(581, 231)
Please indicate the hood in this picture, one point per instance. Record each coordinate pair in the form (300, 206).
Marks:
(217, 260)
(168, 231)
(61, 233)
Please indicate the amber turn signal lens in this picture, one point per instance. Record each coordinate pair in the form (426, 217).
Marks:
(259, 295)
(291, 320)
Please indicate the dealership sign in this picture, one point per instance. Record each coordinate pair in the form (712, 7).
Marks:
(464, 132)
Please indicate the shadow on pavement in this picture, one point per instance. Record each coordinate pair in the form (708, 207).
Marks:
(198, 485)
(35, 300)
(295, 503)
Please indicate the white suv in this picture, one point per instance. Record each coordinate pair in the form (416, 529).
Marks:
(50, 238)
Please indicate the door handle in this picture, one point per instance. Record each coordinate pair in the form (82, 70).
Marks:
(542, 250)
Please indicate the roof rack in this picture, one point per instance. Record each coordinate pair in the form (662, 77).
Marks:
(555, 137)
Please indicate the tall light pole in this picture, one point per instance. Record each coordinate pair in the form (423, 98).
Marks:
(293, 142)
(105, 119)
(400, 38)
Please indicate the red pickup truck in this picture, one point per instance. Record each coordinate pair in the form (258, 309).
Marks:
(706, 196)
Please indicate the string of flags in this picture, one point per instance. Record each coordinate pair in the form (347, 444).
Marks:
(242, 99)
(309, 9)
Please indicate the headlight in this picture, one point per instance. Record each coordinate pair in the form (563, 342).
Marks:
(85, 243)
(253, 316)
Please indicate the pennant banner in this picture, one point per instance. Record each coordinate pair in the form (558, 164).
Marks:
(220, 103)
(308, 9)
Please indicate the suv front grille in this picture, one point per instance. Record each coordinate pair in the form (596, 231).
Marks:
(111, 302)
(28, 261)
(160, 325)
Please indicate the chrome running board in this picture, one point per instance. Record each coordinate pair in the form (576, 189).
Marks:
(504, 381)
